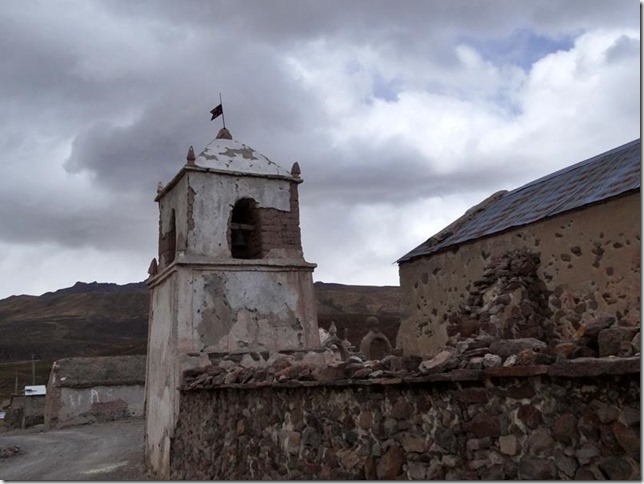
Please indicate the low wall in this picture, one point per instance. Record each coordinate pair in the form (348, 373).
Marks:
(25, 411)
(576, 419)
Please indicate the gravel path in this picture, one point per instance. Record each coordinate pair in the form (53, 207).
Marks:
(104, 451)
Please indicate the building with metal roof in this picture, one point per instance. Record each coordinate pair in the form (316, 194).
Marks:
(601, 177)
(583, 225)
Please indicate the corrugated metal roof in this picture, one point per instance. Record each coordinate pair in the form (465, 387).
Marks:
(601, 177)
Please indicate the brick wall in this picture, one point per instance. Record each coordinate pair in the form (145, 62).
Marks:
(279, 229)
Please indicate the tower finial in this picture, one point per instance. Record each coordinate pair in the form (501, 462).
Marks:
(224, 134)
(190, 158)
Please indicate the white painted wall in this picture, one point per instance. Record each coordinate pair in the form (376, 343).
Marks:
(77, 405)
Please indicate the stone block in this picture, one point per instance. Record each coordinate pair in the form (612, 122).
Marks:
(349, 459)
(592, 328)
(605, 412)
(566, 465)
(401, 409)
(507, 347)
(540, 443)
(581, 367)
(484, 425)
(416, 471)
(438, 363)
(627, 439)
(530, 416)
(390, 464)
(492, 361)
(636, 343)
(364, 420)
(370, 469)
(446, 439)
(631, 415)
(564, 428)
(413, 443)
(508, 444)
(619, 468)
(292, 442)
(534, 468)
(588, 426)
(520, 391)
(466, 375)
(516, 371)
(586, 454)
(473, 395)
(410, 363)
(610, 340)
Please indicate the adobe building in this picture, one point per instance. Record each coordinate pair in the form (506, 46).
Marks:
(544, 260)
(231, 277)
(28, 409)
(94, 389)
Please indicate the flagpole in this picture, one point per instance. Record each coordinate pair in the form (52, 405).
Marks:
(223, 118)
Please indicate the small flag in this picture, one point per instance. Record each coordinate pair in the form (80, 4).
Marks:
(216, 112)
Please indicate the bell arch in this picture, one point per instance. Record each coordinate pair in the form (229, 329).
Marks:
(244, 233)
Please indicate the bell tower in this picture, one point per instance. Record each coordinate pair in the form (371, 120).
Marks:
(230, 278)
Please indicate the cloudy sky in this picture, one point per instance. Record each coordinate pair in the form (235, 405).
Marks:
(401, 114)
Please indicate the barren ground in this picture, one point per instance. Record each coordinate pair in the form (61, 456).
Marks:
(103, 451)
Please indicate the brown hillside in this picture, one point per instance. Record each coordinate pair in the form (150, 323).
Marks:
(99, 319)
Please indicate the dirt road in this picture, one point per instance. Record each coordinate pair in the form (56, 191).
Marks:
(105, 451)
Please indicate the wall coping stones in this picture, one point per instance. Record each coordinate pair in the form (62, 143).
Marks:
(586, 366)
(514, 371)
(200, 379)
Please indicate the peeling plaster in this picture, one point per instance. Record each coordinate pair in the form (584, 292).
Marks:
(216, 315)
(246, 153)
(191, 201)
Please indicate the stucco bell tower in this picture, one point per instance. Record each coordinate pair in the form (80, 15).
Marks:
(231, 276)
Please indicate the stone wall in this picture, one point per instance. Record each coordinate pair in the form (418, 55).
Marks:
(25, 411)
(588, 267)
(572, 419)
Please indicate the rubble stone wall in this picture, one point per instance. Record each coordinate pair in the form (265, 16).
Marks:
(588, 267)
(25, 411)
(574, 419)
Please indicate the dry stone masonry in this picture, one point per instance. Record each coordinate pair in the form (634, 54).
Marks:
(511, 395)
(401, 417)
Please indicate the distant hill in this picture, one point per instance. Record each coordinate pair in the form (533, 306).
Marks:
(103, 319)
(350, 306)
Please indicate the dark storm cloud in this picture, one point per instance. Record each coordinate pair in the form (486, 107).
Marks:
(394, 174)
(31, 220)
(129, 84)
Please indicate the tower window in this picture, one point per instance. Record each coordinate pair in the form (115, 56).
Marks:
(245, 240)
